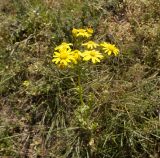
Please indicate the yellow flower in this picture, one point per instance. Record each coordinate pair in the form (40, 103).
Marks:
(77, 55)
(92, 55)
(81, 33)
(110, 48)
(64, 45)
(90, 44)
(26, 83)
(74, 31)
(90, 30)
(63, 57)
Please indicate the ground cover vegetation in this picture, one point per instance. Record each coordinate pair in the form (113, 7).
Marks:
(80, 78)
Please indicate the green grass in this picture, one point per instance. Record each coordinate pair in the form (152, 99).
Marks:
(123, 94)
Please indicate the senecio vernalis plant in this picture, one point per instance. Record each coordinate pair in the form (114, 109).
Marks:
(81, 50)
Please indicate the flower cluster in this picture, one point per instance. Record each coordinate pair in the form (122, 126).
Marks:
(65, 56)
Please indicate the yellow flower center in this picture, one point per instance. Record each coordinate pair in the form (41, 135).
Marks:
(92, 54)
(111, 48)
(63, 55)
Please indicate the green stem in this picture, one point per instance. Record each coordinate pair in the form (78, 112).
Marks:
(80, 86)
